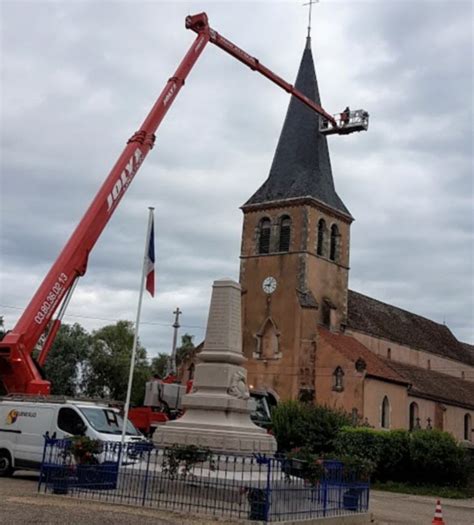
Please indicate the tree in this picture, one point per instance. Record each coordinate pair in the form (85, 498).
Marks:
(186, 349)
(159, 365)
(66, 359)
(107, 371)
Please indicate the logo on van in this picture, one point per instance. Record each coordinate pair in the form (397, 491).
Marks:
(12, 416)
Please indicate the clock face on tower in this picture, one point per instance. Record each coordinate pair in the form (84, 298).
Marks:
(269, 285)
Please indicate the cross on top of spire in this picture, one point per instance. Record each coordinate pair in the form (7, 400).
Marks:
(177, 313)
(310, 10)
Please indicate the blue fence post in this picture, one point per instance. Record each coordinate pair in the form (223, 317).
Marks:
(259, 498)
(147, 471)
(46, 439)
(325, 496)
(268, 490)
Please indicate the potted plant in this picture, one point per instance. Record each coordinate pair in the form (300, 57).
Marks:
(181, 459)
(356, 475)
(85, 450)
(91, 472)
(302, 463)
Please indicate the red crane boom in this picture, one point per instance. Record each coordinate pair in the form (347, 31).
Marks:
(18, 370)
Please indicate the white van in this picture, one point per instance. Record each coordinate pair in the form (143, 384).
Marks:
(24, 423)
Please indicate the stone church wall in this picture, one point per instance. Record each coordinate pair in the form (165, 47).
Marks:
(374, 393)
(442, 416)
(454, 419)
(351, 396)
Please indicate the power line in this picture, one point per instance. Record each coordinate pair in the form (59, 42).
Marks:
(108, 319)
(169, 325)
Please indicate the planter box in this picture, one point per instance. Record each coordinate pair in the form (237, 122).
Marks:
(295, 467)
(351, 499)
(97, 477)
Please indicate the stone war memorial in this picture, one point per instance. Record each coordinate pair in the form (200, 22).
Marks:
(217, 411)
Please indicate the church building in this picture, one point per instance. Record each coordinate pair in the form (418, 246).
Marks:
(306, 335)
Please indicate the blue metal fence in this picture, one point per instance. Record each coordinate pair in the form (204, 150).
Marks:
(247, 487)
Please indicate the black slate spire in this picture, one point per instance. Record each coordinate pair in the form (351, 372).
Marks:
(301, 166)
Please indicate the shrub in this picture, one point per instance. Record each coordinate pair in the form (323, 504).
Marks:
(322, 427)
(361, 442)
(311, 467)
(296, 424)
(394, 462)
(388, 451)
(423, 456)
(357, 468)
(181, 459)
(435, 457)
(288, 425)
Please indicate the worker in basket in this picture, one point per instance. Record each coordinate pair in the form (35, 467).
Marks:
(345, 116)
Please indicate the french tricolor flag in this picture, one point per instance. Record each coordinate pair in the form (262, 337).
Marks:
(150, 261)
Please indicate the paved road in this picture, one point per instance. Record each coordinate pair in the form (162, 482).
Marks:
(21, 504)
(402, 509)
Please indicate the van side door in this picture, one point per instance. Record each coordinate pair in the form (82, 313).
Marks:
(69, 423)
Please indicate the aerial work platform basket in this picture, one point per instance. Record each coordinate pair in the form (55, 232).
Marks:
(347, 122)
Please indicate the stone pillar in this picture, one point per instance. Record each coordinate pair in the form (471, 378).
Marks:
(217, 413)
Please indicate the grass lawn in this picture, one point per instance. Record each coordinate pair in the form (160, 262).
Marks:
(424, 490)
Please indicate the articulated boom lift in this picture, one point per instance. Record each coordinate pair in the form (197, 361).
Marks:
(19, 372)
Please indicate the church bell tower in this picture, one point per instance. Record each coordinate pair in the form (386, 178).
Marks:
(294, 255)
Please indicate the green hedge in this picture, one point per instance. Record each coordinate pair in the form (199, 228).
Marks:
(423, 456)
(360, 442)
(435, 456)
(420, 457)
(394, 460)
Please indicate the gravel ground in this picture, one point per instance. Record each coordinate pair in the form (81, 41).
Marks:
(21, 504)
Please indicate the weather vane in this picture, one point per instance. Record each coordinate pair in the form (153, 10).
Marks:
(310, 3)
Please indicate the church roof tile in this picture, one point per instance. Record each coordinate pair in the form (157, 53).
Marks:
(301, 166)
(436, 385)
(400, 326)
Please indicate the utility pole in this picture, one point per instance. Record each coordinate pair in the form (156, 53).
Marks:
(172, 359)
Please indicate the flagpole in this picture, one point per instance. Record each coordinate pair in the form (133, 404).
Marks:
(135, 337)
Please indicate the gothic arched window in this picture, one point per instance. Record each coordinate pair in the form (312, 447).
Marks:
(467, 427)
(321, 248)
(414, 419)
(334, 252)
(264, 236)
(285, 234)
(385, 416)
(268, 345)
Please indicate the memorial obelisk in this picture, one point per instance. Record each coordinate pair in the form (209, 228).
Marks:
(217, 413)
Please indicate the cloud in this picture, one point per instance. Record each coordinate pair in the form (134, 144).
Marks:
(82, 80)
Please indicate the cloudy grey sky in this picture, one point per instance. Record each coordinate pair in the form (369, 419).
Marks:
(77, 79)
